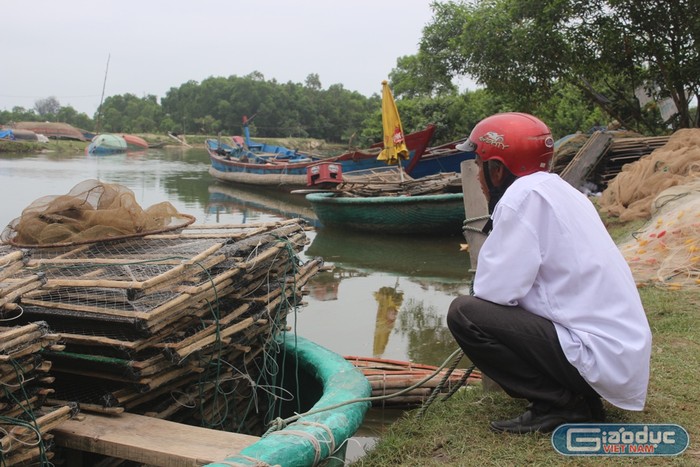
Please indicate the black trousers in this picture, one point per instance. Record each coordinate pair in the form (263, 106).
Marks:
(517, 349)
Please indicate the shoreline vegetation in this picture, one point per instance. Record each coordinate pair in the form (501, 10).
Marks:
(455, 432)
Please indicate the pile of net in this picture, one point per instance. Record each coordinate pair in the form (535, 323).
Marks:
(92, 211)
(629, 196)
(666, 252)
(664, 188)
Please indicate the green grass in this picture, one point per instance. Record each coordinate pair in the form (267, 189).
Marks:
(456, 433)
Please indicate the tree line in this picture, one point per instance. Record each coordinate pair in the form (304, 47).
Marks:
(577, 64)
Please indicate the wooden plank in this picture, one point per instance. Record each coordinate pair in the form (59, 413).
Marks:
(150, 440)
(475, 207)
(586, 158)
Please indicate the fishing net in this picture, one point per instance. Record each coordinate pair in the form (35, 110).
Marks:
(666, 252)
(663, 187)
(629, 196)
(92, 211)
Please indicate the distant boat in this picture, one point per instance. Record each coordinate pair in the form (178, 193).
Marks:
(237, 163)
(107, 143)
(441, 159)
(53, 130)
(135, 143)
(14, 134)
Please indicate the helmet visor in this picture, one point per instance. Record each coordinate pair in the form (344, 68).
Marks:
(467, 146)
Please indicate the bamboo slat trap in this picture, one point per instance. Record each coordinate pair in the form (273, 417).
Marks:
(176, 325)
(26, 417)
(625, 147)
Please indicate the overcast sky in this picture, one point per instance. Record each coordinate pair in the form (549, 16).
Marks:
(60, 48)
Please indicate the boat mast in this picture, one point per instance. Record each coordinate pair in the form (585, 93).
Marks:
(99, 109)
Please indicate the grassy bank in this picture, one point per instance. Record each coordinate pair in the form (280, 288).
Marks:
(455, 432)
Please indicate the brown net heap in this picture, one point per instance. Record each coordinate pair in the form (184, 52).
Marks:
(92, 211)
(663, 187)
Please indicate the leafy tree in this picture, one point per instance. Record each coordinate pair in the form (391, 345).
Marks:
(412, 77)
(48, 107)
(130, 114)
(78, 119)
(279, 110)
(208, 125)
(605, 50)
(19, 114)
(313, 81)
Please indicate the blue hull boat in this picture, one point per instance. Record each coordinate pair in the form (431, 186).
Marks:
(238, 164)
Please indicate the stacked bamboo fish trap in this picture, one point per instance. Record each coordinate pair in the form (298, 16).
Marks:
(624, 151)
(25, 417)
(179, 325)
(605, 163)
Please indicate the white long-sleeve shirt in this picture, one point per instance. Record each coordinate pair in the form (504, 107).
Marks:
(550, 253)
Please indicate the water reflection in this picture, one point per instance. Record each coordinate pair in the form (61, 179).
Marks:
(413, 256)
(385, 297)
(228, 198)
(389, 300)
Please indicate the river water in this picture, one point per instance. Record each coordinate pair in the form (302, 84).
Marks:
(386, 296)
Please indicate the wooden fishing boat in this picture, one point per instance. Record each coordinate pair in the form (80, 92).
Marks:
(236, 163)
(441, 159)
(10, 134)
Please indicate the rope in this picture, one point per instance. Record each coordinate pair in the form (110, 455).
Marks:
(314, 442)
(279, 423)
(462, 381)
(255, 462)
(331, 438)
(441, 384)
(471, 220)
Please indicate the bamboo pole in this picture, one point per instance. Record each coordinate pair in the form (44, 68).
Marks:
(182, 352)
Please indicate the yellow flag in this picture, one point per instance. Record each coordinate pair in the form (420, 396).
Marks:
(394, 140)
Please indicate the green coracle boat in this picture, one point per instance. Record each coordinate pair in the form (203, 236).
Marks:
(440, 214)
(319, 436)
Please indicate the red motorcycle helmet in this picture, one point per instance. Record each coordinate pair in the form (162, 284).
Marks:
(522, 142)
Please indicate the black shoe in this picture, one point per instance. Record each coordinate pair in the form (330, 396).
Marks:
(543, 419)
